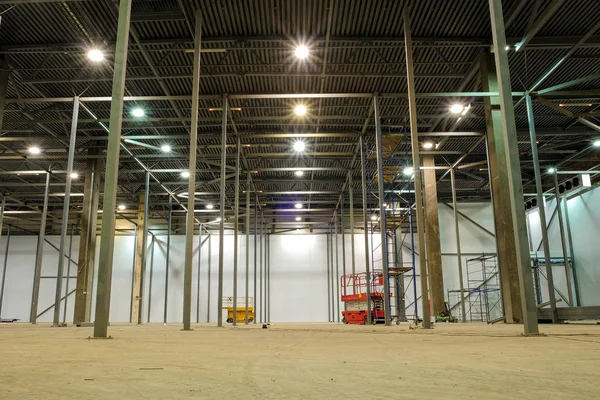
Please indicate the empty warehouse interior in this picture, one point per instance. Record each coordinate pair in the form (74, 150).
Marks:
(299, 199)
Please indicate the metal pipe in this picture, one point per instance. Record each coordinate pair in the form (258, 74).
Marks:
(208, 278)
(247, 282)
(363, 170)
(144, 247)
(541, 208)
(189, 231)
(329, 312)
(562, 242)
(68, 277)
(39, 256)
(417, 171)
(150, 278)
(236, 217)
(458, 252)
(5, 268)
(222, 210)
(135, 239)
(331, 254)
(198, 274)
(343, 245)
(169, 229)
(260, 274)
(337, 268)
(351, 194)
(107, 240)
(382, 216)
(65, 215)
(269, 278)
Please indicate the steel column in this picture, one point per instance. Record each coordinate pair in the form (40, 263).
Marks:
(458, 252)
(144, 248)
(138, 264)
(68, 277)
(39, 255)
(260, 273)
(236, 217)
(336, 281)
(247, 282)
(343, 243)
(515, 185)
(107, 240)
(541, 207)
(363, 171)
(65, 214)
(412, 103)
(269, 277)
(329, 311)
(222, 210)
(572, 253)
(150, 277)
(562, 241)
(5, 267)
(208, 278)
(189, 227)
(351, 194)
(255, 298)
(198, 281)
(167, 258)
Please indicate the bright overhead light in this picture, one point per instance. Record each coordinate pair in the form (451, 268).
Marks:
(300, 110)
(185, 174)
(122, 207)
(298, 205)
(138, 112)
(299, 146)
(74, 175)
(507, 48)
(551, 170)
(298, 218)
(596, 143)
(95, 55)
(301, 51)
(466, 109)
(165, 148)
(428, 145)
(299, 173)
(408, 171)
(456, 108)
(210, 206)
(373, 217)
(218, 219)
(35, 150)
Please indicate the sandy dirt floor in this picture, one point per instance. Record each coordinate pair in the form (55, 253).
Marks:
(292, 361)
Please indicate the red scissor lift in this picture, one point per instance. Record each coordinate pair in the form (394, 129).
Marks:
(354, 295)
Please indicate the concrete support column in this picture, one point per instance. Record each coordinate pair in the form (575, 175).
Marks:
(87, 243)
(505, 242)
(138, 265)
(432, 234)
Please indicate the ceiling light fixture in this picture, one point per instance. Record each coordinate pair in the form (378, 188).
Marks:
(95, 55)
(74, 175)
(299, 173)
(373, 217)
(35, 150)
(298, 205)
(138, 112)
(299, 146)
(122, 207)
(408, 171)
(210, 206)
(165, 148)
(185, 174)
(298, 218)
(456, 108)
(300, 110)
(428, 145)
(551, 170)
(301, 52)
(596, 143)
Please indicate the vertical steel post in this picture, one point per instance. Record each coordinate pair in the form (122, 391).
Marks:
(4, 268)
(167, 258)
(208, 278)
(343, 244)
(268, 277)
(412, 106)
(329, 312)
(39, 255)
(198, 275)
(2, 207)
(150, 278)
(255, 298)
(541, 207)
(515, 185)
(458, 252)
(351, 194)
(135, 245)
(247, 282)
(414, 263)
(363, 170)
(68, 277)
(382, 216)
(65, 214)
(222, 210)
(189, 225)
(107, 237)
(144, 248)
(236, 218)
(260, 274)
(336, 281)
(333, 297)
(562, 241)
